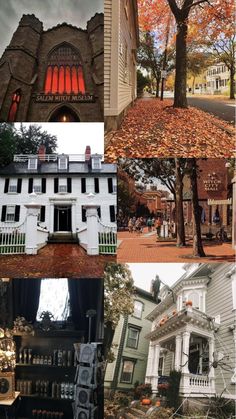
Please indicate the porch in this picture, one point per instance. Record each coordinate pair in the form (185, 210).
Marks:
(185, 342)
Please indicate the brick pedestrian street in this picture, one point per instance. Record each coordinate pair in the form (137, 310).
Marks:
(55, 261)
(134, 248)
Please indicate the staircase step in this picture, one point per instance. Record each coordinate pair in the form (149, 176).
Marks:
(62, 238)
(137, 413)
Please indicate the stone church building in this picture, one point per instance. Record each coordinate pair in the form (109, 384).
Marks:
(53, 75)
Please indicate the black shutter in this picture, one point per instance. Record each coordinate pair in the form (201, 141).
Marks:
(6, 187)
(56, 185)
(17, 213)
(112, 214)
(42, 214)
(19, 184)
(4, 211)
(30, 186)
(69, 184)
(84, 218)
(110, 185)
(99, 212)
(43, 185)
(96, 185)
(83, 185)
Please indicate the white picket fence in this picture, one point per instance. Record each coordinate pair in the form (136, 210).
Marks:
(12, 239)
(107, 239)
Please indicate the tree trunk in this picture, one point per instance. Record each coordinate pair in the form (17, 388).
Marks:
(232, 74)
(193, 87)
(180, 99)
(179, 206)
(198, 250)
(158, 86)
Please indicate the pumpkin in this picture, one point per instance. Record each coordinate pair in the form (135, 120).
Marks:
(158, 403)
(189, 303)
(146, 402)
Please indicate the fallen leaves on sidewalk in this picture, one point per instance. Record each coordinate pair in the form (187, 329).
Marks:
(155, 129)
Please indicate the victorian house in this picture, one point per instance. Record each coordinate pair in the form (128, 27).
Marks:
(120, 46)
(194, 331)
(130, 346)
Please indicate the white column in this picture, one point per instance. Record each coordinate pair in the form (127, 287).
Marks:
(31, 247)
(92, 230)
(178, 347)
(149, 369)
(154, 380)
(185, 352)
(51, 220)
(73, 217)
(211, 344)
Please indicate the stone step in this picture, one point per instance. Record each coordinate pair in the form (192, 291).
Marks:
(62, 238)
(137, 413)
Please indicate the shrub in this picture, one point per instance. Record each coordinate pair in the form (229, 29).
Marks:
(142, 390)
(172, 392)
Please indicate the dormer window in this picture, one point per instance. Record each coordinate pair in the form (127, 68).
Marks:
(62, 162)
(32, 163)
(138, 309)
(96, 163)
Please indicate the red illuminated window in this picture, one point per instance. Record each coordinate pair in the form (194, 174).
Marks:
(64, 72)
(16, 97)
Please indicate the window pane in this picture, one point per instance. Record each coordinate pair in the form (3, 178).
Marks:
(48, 81)
(55, 80)
(54, 297)
(61, 80)
(81, 80)
(68, 80)
(127, 372)
(74, 80)
(138, 309)
(133, 335)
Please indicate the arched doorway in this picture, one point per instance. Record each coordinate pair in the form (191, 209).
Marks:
(64, 114)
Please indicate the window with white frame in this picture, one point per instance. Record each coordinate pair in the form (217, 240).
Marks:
(37, 185)
(127, 371)
(62, 185)
(133, 337)
(194, 297)
(62, 162)
(138, 309)
(33, 163)
(12, 186)
(96, 163)
(10, 213)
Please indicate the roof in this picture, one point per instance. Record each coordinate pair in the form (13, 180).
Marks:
(21, 168)
(145, 294)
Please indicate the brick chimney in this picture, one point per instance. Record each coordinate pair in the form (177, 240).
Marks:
(88, 153)
(42, 152)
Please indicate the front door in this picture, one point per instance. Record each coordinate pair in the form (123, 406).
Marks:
(62, 218)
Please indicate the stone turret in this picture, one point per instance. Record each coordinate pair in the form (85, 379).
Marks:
(18, 65)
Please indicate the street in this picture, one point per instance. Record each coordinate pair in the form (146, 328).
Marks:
(221, 109)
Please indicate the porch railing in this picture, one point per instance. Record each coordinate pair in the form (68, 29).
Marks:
(107, 239)
(12, 239)
(199, 381)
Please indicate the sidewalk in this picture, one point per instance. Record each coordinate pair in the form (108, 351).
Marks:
(55, 261)
(155, 129)
(135, 248)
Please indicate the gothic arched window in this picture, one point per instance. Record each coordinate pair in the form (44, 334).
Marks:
(64, 72)
(16, 97)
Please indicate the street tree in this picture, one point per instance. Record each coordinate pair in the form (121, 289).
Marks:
(155, 14)
(142, 82)
(7, 143)
(125, 198)
(118, 299)
(170, 175)
(30, 137)
(197, 62)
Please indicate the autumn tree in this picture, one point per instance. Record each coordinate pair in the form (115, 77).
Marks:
(118, 299)
(150, 57)
(142, 81)
(156, 13)
(170, 174)
(197, 62)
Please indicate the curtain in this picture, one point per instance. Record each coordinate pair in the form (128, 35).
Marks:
(25, 298)
(87, 294)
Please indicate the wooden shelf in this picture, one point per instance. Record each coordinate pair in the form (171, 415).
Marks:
(38, 396)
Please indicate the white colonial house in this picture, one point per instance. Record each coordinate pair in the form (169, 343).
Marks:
(194, 331)
(217, 78)
(63, 190)
(120, 47)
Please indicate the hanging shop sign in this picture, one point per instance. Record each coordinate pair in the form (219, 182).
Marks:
(219, 201)
(79, 98)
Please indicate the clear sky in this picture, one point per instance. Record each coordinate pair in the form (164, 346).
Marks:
(143, 273)
(72, 138)
(50, 12)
